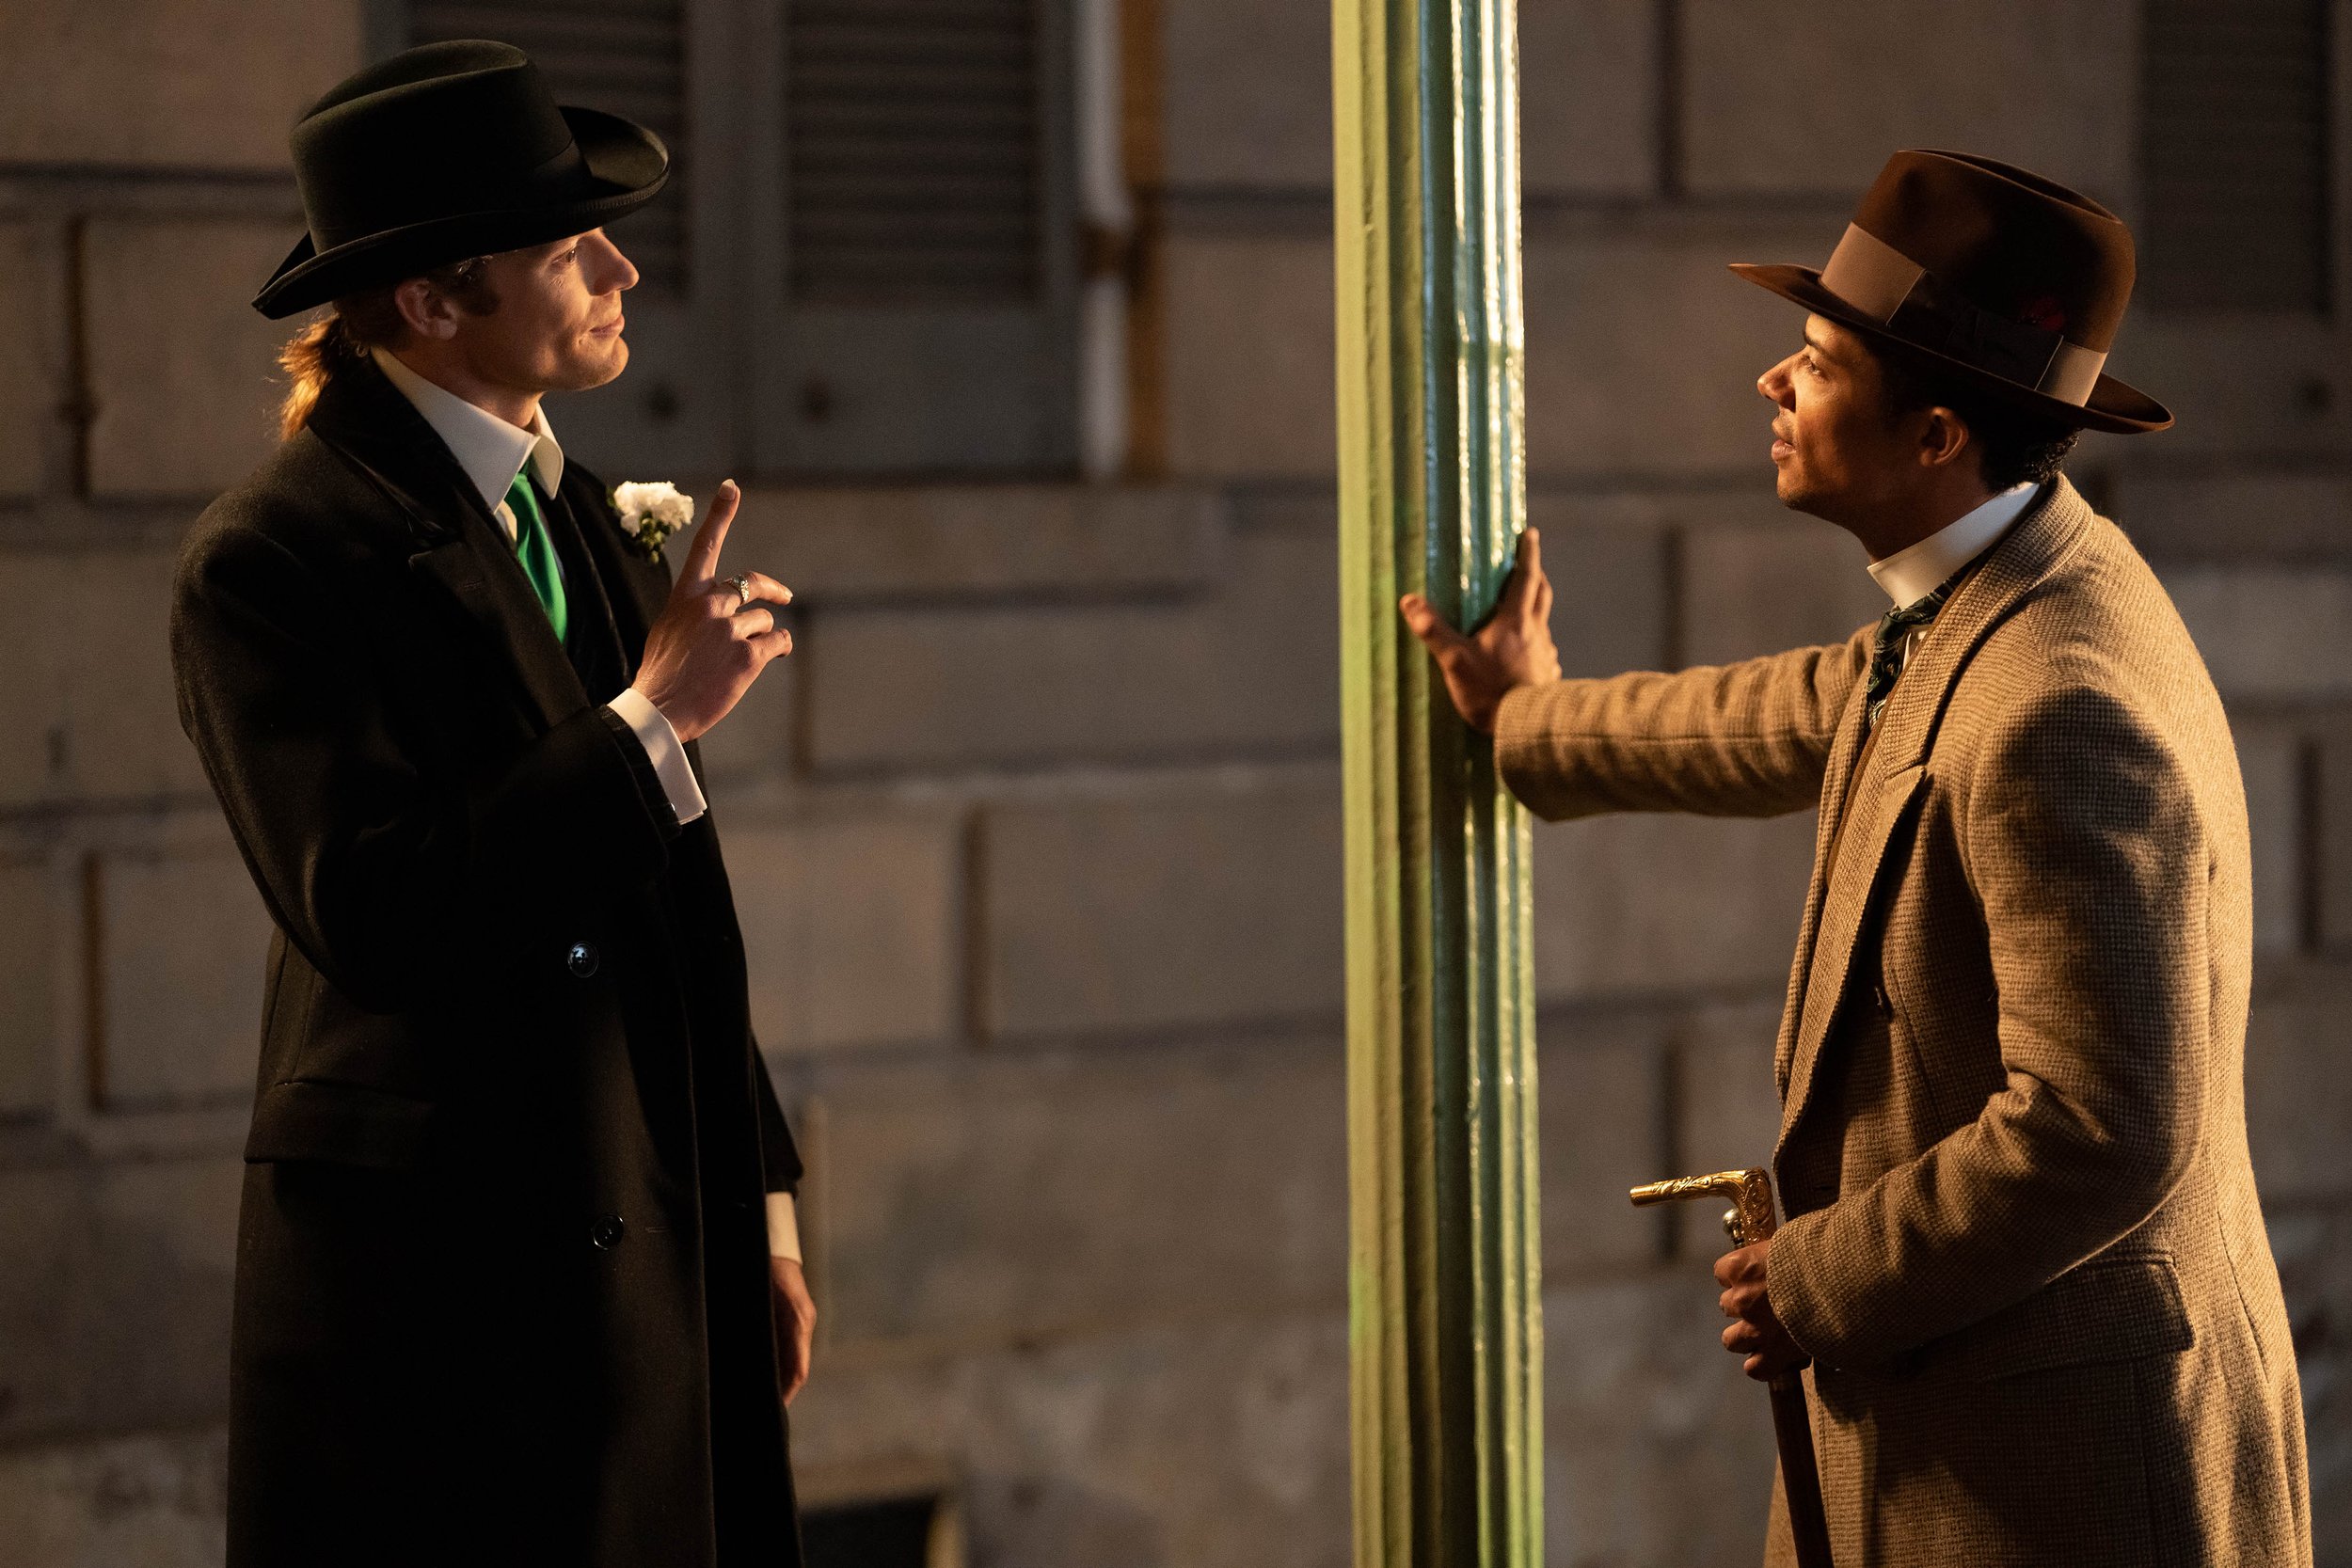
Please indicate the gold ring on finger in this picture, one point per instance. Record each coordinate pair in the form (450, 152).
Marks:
(742, 586)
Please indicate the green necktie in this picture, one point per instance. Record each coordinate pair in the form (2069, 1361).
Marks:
(536, 550)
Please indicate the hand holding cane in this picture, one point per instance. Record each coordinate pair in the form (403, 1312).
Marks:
(1751, 1219)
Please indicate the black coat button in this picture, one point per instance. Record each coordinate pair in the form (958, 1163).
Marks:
(1879, 999)
(607, 1230)
(581, 959)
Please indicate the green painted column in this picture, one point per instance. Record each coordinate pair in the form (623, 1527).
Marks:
(1444, 1256)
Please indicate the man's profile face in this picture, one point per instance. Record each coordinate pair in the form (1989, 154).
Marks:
(556, 328)
(1834, 448)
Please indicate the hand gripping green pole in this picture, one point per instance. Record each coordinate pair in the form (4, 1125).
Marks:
(1444, 1288)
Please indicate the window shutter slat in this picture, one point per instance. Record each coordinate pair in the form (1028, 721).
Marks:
(912, 155)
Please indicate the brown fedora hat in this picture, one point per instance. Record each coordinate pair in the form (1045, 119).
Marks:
(2013, 282)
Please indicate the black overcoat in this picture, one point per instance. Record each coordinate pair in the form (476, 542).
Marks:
(502, 1286)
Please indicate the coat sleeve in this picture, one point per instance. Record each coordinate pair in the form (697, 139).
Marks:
(2082, 838)
(1747, 739)
(395, 879)
(779, 1156)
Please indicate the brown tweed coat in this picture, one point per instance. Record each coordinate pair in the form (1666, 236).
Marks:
(2026, 1251)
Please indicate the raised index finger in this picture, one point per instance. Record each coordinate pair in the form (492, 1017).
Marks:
(702, 555)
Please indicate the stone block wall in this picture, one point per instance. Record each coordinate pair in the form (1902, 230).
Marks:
(1034, 838)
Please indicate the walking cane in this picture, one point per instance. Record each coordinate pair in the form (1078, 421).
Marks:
(1751, 1218)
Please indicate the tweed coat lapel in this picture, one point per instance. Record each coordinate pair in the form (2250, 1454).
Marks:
(1845, 751)
(1861, 813)
(462, 554)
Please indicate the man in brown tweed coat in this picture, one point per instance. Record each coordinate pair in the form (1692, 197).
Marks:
(2024, 1255)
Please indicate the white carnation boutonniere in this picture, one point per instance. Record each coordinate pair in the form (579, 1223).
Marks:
(650, 512)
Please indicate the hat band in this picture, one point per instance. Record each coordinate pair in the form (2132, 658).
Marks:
(1919, 308)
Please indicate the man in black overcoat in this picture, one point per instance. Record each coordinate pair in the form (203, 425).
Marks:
(517, 1276)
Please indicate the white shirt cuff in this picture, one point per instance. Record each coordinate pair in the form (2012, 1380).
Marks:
(784, 1226)
(661, 746)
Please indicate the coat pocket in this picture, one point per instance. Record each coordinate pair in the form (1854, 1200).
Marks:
(2107, 1310)
(347, 1124)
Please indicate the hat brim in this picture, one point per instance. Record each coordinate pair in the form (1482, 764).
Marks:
(2114, 406)
(624, 166)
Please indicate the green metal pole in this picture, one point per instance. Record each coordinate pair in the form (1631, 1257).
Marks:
(1444, 1287)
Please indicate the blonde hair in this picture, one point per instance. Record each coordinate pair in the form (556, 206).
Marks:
(357, 322)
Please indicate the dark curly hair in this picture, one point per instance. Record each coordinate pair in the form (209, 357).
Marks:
(2013, 447)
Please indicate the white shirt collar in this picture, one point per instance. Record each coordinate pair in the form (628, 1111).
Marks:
(1914, 572)
(490, 451)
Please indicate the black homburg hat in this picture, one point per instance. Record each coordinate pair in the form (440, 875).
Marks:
(446, 151)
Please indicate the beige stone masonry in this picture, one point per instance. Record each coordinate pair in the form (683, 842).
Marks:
(2299, 1092)
(1248, 356)
(960, 542)
(1643, 349)
(1646, 902)
(29, 953)
(193, 84)
(2332, 830)
(158, 1500)
(1729, 1106)
(1190, 1182)
(88, 704)
(2270, 758)
(113, 1310)
(1156, 914)
(1608, 609)
(2182, 517)
(1656, 1449)
(1245, 89)
(1255, 668)
(2280, 633)
(1588, 91)
(31, 299)
(852, 930)
(184, 371)
(1813, 98)
(1601, 1098)
(183, 937)
(1759, 589)
(1198, 1442)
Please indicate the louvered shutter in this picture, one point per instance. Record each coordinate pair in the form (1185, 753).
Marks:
(921, 310)
(2235, 137)
(670, 413)
(913, 152)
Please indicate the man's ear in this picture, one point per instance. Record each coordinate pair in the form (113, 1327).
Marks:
(1943, 438)
(425, 310)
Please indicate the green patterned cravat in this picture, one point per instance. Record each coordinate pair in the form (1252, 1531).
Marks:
(1886, 650)
(536, 550)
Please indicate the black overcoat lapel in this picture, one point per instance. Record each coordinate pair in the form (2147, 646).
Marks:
(463, 557)
(461, 551)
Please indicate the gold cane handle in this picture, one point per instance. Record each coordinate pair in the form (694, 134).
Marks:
(1751, 1217)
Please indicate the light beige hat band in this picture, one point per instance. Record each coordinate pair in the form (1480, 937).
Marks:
(1882, 283)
